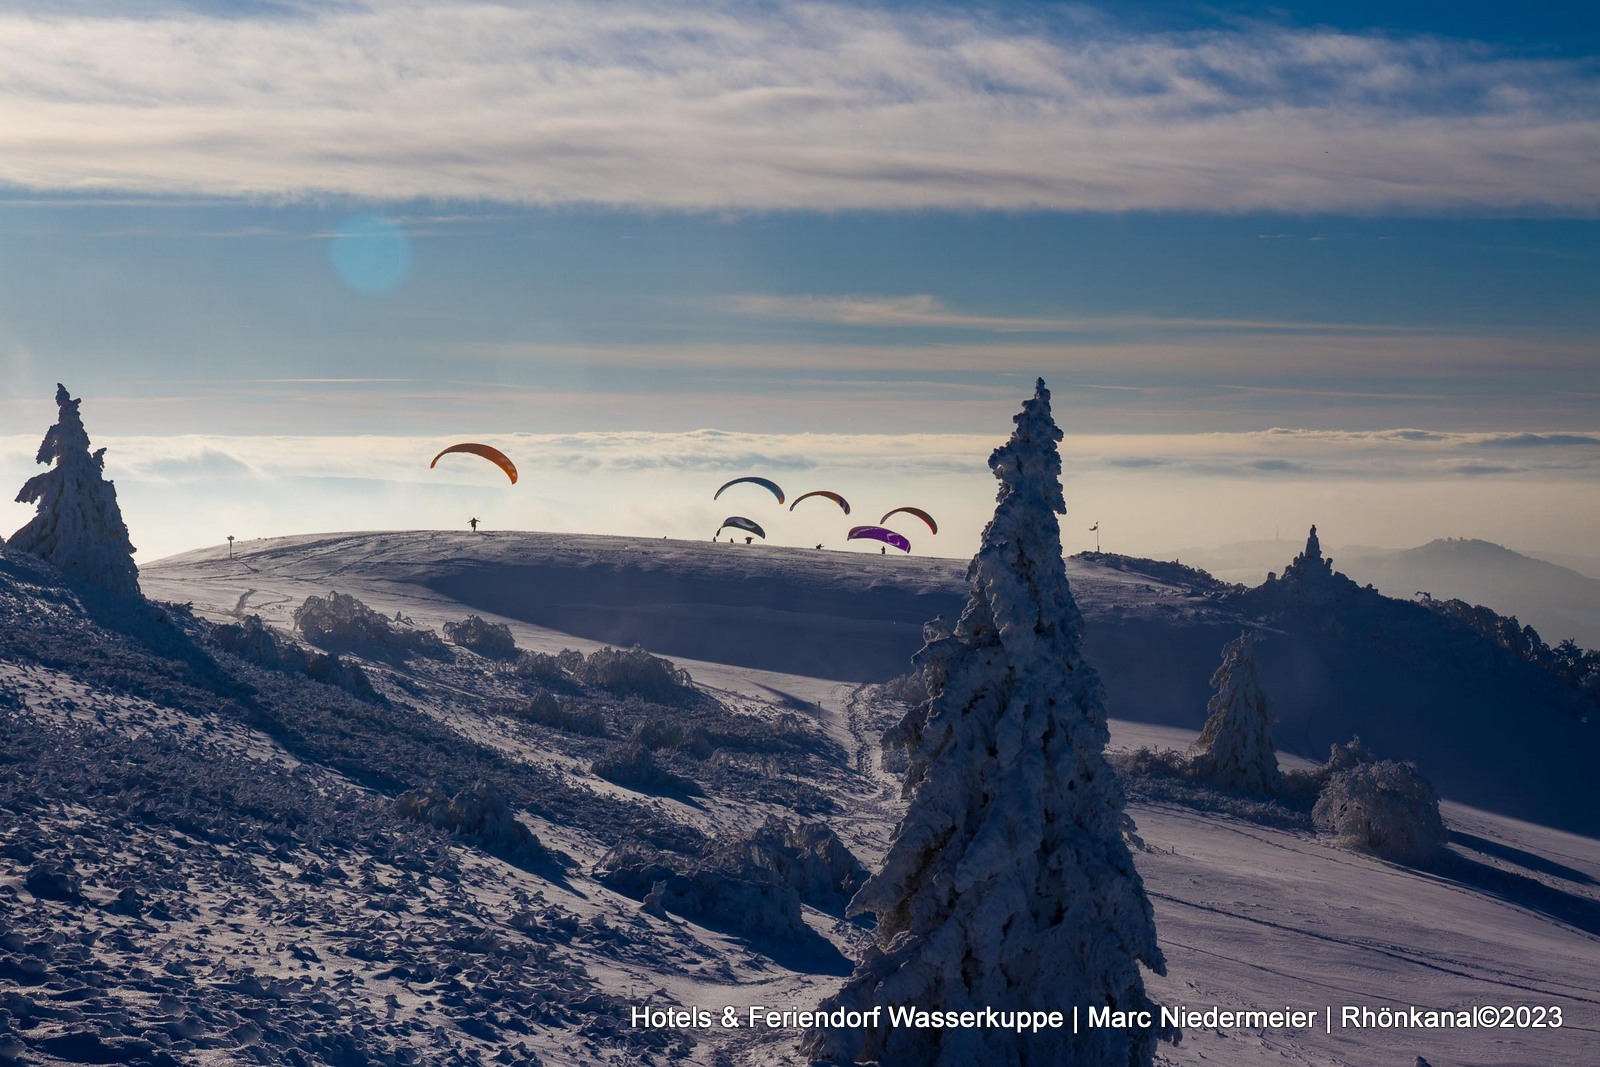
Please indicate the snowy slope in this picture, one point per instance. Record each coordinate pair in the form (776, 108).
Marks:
(1489, 729)
(285, 903)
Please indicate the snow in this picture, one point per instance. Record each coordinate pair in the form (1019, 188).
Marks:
(255, 808)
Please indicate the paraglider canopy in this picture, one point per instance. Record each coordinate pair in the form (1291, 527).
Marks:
(835, 497)
(878, 533)
(919, 513)
(488, 452)
(739, 522)
(770, 486)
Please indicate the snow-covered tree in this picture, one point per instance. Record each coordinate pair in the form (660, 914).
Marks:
(1235, 749)
(1008, 884)
(78, 527)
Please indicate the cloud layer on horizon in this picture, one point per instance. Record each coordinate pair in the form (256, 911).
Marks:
(1155, 492)
(748, 107)
(1360, 455)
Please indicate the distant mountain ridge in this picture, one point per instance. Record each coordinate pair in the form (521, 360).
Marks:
(1557, 601)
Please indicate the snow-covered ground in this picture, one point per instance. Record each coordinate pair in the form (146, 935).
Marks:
(279, 902)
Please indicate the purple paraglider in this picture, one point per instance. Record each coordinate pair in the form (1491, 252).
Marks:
(878, 533)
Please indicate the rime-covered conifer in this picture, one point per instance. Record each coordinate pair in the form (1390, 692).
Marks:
(1235, 748)
(78, 527)
(1008, 884)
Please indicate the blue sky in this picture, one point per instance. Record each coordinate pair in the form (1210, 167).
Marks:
(241, 223)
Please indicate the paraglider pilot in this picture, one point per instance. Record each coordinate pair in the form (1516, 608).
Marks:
(473, 522)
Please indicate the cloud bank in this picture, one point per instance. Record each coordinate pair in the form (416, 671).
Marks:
(751, 107)
(1154, 493)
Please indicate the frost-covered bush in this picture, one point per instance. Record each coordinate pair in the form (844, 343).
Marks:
(1353, 753)
(656, 734)
(250, 639)
(341, 621)
(635, 768)
(1385, 808)
(546, 710)
(480, 816)
(748, 900)
(540, 666)
(634, 671)
(254, 641)
(1234, 749)
(807, 856)
(490, 639)
(1167, 776)
(329, 669)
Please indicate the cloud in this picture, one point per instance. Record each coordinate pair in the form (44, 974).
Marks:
(1542, 440)
(924, 310)
(1341, 455)
(203, 463)
(590, 458)
(734, 106)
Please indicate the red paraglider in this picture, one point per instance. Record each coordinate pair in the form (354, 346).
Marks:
(770, 486)
(878, 533)
(739, 522)
(835, 497)
(488, 452)
(919, 513)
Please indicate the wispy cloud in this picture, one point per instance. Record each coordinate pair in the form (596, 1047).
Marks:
(735, 106)
(927, 311)
(1347, 455)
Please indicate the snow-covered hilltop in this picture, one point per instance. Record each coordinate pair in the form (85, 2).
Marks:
(223, 843)
(1490, 728)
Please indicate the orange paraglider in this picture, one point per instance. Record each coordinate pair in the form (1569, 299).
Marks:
(835, 497)
(488, 452)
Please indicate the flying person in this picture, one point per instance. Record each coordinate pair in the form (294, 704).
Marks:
(473, 522)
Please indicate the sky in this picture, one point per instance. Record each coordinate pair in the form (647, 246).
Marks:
(1279, 264)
